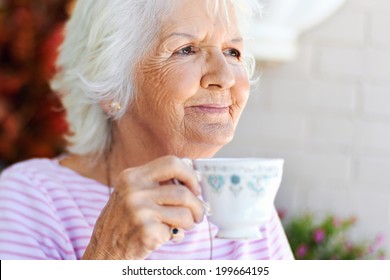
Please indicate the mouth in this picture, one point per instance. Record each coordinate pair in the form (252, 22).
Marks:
(210, 108)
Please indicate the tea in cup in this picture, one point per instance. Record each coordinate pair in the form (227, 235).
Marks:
(240, 193)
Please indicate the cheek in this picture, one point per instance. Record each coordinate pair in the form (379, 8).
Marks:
(170, 78)
(184, 81)
(165, 87)
(241, 89)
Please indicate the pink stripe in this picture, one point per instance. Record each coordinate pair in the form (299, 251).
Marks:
(39, 222)
(78, 238)
(84, 199)
(257, 251)
(276, 237)
(28, 246)
(76, 228)
(80, 249)
(25, 193)
(76, 217)
(28, 206)
(71, 188)
(275, 227)
(85, 207)
(190, 242)
(64, 252)
(223, 256)
(286, 250)
(66, 173)
(275, 253)
(259, 242)
(62, 170)
(20, 255)
(41, 234)
(15, 232)
(196, 232)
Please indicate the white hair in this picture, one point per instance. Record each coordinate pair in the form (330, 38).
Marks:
(103, 42)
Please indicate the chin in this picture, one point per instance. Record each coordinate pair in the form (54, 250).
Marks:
(207, 141)
(215, 141)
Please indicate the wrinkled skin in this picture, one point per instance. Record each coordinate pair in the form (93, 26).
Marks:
(191, 89)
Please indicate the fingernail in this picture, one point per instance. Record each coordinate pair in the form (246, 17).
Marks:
(207, 209)
(198, 176)
(188, 161)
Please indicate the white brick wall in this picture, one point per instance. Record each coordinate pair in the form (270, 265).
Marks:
(328, 114)
(377, 63)
(372, 172)
(341, 63)
(377, 37)
(376, 100)
(373, 136)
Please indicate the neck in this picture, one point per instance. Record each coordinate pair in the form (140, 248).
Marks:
(133, 146)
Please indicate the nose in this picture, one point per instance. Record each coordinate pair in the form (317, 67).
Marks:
(218, 74)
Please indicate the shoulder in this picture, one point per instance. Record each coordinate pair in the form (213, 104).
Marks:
(37, 172)
(30, 179)
(36, 178)
(25, 173)
(32, 166)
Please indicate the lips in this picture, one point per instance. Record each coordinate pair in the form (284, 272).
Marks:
(210, 108)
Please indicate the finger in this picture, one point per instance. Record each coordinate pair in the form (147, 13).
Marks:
(170, 167)
(174, 195)
(177, 234)
(153, 235)
(176, 216)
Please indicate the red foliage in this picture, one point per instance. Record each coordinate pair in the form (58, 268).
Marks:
(31, 117)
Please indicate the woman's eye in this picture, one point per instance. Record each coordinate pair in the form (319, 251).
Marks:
(187, 50)
(233, 53)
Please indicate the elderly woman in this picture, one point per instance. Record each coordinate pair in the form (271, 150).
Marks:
(147, 85)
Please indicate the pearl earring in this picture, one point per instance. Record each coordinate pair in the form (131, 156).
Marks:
(115, 107)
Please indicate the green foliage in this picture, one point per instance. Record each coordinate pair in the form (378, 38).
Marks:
(327, 239)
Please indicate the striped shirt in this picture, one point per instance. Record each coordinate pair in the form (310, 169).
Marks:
(48, 211)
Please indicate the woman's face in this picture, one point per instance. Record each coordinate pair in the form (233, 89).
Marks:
(192, 86)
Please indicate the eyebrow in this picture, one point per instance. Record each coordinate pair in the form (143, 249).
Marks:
(193, 37)
(237, 40)
(180, 34)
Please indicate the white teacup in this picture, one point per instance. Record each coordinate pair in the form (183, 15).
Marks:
(240, 193)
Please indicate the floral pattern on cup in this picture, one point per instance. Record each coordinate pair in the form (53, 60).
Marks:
(237, 184)
(216, 182)
(257, 185)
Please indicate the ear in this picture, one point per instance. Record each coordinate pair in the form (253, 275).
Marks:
(110, 107)
(105, 105)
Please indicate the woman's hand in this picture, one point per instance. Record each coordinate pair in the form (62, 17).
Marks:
(144, 207)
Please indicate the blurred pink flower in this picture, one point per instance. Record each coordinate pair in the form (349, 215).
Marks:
(282, 213)
(319, 235)
(379, 240)
(301, 251)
